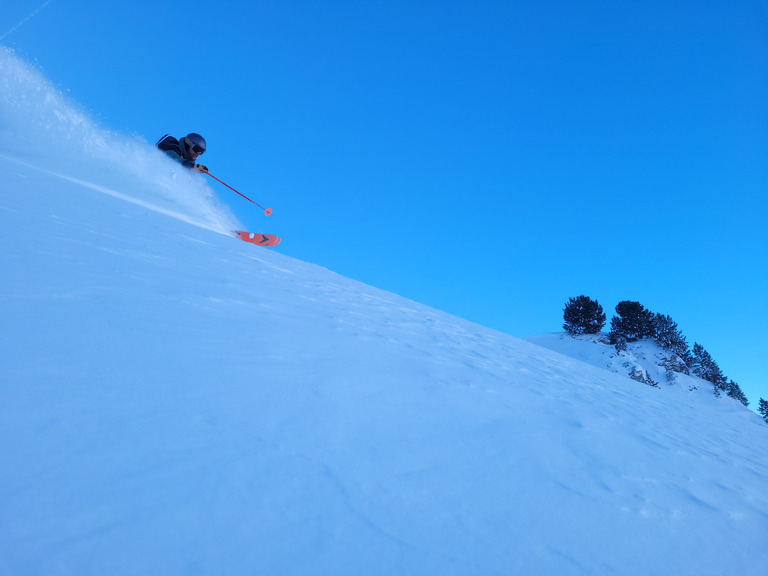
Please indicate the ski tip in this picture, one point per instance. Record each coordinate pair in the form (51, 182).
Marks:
(258, 239)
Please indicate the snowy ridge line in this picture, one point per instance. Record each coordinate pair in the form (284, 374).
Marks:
(121, 196)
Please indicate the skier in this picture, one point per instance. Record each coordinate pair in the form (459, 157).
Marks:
(186, 150)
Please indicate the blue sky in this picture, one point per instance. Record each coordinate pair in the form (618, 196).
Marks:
(490, 159)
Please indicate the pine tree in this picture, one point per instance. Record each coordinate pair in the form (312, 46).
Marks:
(735, 392)
(705, 367)
(583, 315)
(633, 322)
(763, 409)
(669, 336)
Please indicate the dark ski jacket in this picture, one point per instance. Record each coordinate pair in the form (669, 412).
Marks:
(175, 149)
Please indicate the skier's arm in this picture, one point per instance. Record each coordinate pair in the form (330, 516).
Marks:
(176, 156)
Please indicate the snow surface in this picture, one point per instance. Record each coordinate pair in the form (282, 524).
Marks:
(174, 401)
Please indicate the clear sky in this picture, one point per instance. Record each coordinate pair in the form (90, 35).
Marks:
(490, 159)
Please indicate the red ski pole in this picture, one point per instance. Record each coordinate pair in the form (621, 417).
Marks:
(267, 211)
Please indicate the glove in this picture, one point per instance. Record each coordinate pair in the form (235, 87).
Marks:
(200, 168)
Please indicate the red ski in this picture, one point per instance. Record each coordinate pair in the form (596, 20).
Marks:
(258, 239)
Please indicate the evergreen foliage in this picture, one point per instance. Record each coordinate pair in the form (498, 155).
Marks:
(619, 342)
(735, 392)
(763, 409)
(582, 315)
(669, 336)
(633, 322)
(705, 367)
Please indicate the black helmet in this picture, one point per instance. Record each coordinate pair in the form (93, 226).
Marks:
(195, 141)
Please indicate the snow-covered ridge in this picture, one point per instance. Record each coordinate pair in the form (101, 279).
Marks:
(174, 401)
(644, 361)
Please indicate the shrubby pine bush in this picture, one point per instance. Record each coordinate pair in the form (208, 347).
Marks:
(668, 336)
(763, 409)
(634, 322)
(735, 392)
(583, 315)
(705, 367)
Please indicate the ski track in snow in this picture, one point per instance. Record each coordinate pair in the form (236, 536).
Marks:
(125, 197)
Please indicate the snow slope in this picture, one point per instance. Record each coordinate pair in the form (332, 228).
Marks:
(174, 401)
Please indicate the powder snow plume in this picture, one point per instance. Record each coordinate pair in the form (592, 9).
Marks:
(43, 129)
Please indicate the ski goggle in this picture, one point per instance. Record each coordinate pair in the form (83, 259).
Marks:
(195, 147)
